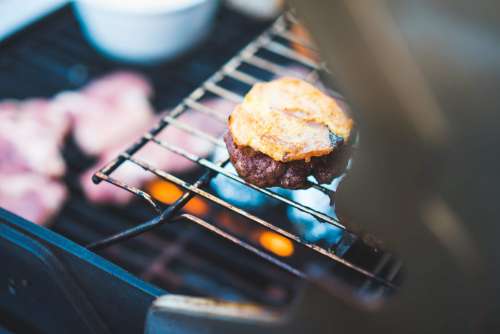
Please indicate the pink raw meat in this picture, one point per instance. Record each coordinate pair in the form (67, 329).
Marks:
(102, 115)
(8, 105)
(32, 196)
(47, 116)
(108, 110)
(118, 84)
(156, 156)
(31, 134)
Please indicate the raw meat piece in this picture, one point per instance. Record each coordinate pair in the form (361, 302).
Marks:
(46, 115)
(32, 196)
(8, 105)
(118, 84)
(31, 134)
(108, 110)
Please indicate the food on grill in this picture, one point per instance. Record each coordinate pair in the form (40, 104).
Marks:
(261, 170)
(31, 134)
(286, 130)
(101, 116)
(104, 117)
(33, 196)
(106, 111)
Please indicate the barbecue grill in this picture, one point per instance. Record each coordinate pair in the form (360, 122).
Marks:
(174, 250)
(162, 267)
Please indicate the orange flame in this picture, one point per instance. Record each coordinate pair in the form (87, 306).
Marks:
(276, 244)
(168, 193)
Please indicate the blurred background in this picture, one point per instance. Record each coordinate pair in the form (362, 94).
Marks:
(14, 16)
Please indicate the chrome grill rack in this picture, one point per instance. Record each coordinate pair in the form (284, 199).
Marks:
(279, 41)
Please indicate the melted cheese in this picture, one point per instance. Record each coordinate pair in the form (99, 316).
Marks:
(288, 119)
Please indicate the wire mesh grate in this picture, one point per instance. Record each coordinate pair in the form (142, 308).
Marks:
(262, 54)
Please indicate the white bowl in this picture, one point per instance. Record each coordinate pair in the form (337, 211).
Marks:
(145, 31)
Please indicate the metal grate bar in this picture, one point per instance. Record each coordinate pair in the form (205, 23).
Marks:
(264, 64)
(159, 220)
(290, 16)
(223, 92)
(204, 109)
(290, 53)
(115, 163)
(378, 269)
(243, 77)
(187, 128)
(136, 191)
(243, 244)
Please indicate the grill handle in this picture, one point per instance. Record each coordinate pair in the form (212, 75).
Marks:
(182, 314)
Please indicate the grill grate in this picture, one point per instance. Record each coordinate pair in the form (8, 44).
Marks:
(262, 54)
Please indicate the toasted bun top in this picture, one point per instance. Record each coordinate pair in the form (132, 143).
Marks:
(289, 119)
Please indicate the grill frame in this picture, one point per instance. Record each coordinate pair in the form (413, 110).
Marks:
(230, 70)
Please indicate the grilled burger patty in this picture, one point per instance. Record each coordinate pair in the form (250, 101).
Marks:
(262, 171)
(286, 130)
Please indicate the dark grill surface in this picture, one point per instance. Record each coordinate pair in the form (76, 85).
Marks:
(180, 256)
